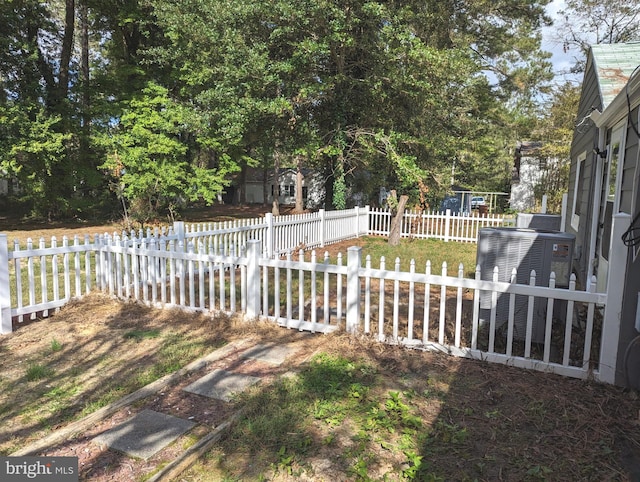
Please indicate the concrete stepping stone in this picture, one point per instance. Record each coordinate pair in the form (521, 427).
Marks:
(145, 434)
(221, 384)
(274, 354)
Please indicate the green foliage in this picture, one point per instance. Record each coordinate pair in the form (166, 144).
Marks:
(55, 345)
(148, 160)
(339, 191)
(37, 371)
(178, 96)
(33, 152)
(555, 131)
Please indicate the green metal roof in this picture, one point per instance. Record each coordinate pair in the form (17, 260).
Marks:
(614, 64)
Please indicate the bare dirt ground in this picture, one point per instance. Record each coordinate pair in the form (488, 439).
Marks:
(517, 424)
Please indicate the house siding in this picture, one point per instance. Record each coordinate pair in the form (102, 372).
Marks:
(583, 142)
(629, 168)
(630, 203)
(612, 85)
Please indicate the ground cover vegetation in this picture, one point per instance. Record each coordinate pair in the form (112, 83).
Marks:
(351, 408)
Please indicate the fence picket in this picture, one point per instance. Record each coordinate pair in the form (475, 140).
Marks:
(44, 297)
(326, 305)
(427, 304)
(569, 323)
(476, 310)
(381, 305)
(367, 296)
(530, 304)
(589, 329)
(443, 306)
(412, 270)
(492, 318)
(396, 302)
(459, 308)
(549, 320)
(512, 312)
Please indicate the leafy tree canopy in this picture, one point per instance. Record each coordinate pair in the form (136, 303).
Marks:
(166, 100)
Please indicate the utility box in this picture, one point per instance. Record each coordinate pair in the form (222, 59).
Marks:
(547, 222)
(525, 250)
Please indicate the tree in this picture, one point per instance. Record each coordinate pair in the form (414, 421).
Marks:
(397, 211)
(399, 91)
(588, 22)
(148, 160)
(394, 90)
(555, 131)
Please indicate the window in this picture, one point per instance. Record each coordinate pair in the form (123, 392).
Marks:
(615, 163)
(578, 190)
(285, 190)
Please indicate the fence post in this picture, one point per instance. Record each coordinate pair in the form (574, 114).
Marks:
(563, 217)
(613, 309)
(270, 235)
(178, 229)
(367, 218)
(5, 292)
(253, 278)
(354, 260)
(323, 221)
(447, 225)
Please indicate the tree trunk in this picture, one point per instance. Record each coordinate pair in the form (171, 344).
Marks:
(265, 184)
(275, 209)
(67, 49)
(396, 223)
(84, 78)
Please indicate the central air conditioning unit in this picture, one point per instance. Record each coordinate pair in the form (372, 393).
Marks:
(548, 222)
(525, 250)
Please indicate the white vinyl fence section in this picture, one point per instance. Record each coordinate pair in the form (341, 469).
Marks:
(446, 226)
(279, 234)
(423, 307)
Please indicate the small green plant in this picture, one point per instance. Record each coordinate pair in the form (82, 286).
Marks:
(36, 371)
(55, 345)
(360, 470)
(539, 472)
(414, 462)
(285, 462)
(139, 335)
(449, 433)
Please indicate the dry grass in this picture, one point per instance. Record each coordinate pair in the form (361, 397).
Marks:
(478, 421)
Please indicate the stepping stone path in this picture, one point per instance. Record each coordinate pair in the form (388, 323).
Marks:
(221, 384)
(144, 434)
(149, 432)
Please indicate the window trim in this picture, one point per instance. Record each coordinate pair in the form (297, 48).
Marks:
(620, 161)
(580, 165)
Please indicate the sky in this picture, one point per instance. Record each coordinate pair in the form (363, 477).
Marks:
(561, 60)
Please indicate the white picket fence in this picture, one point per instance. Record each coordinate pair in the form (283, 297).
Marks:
(446, 226)
(239, 272)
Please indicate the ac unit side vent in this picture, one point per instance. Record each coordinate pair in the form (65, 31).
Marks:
(524, 250)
